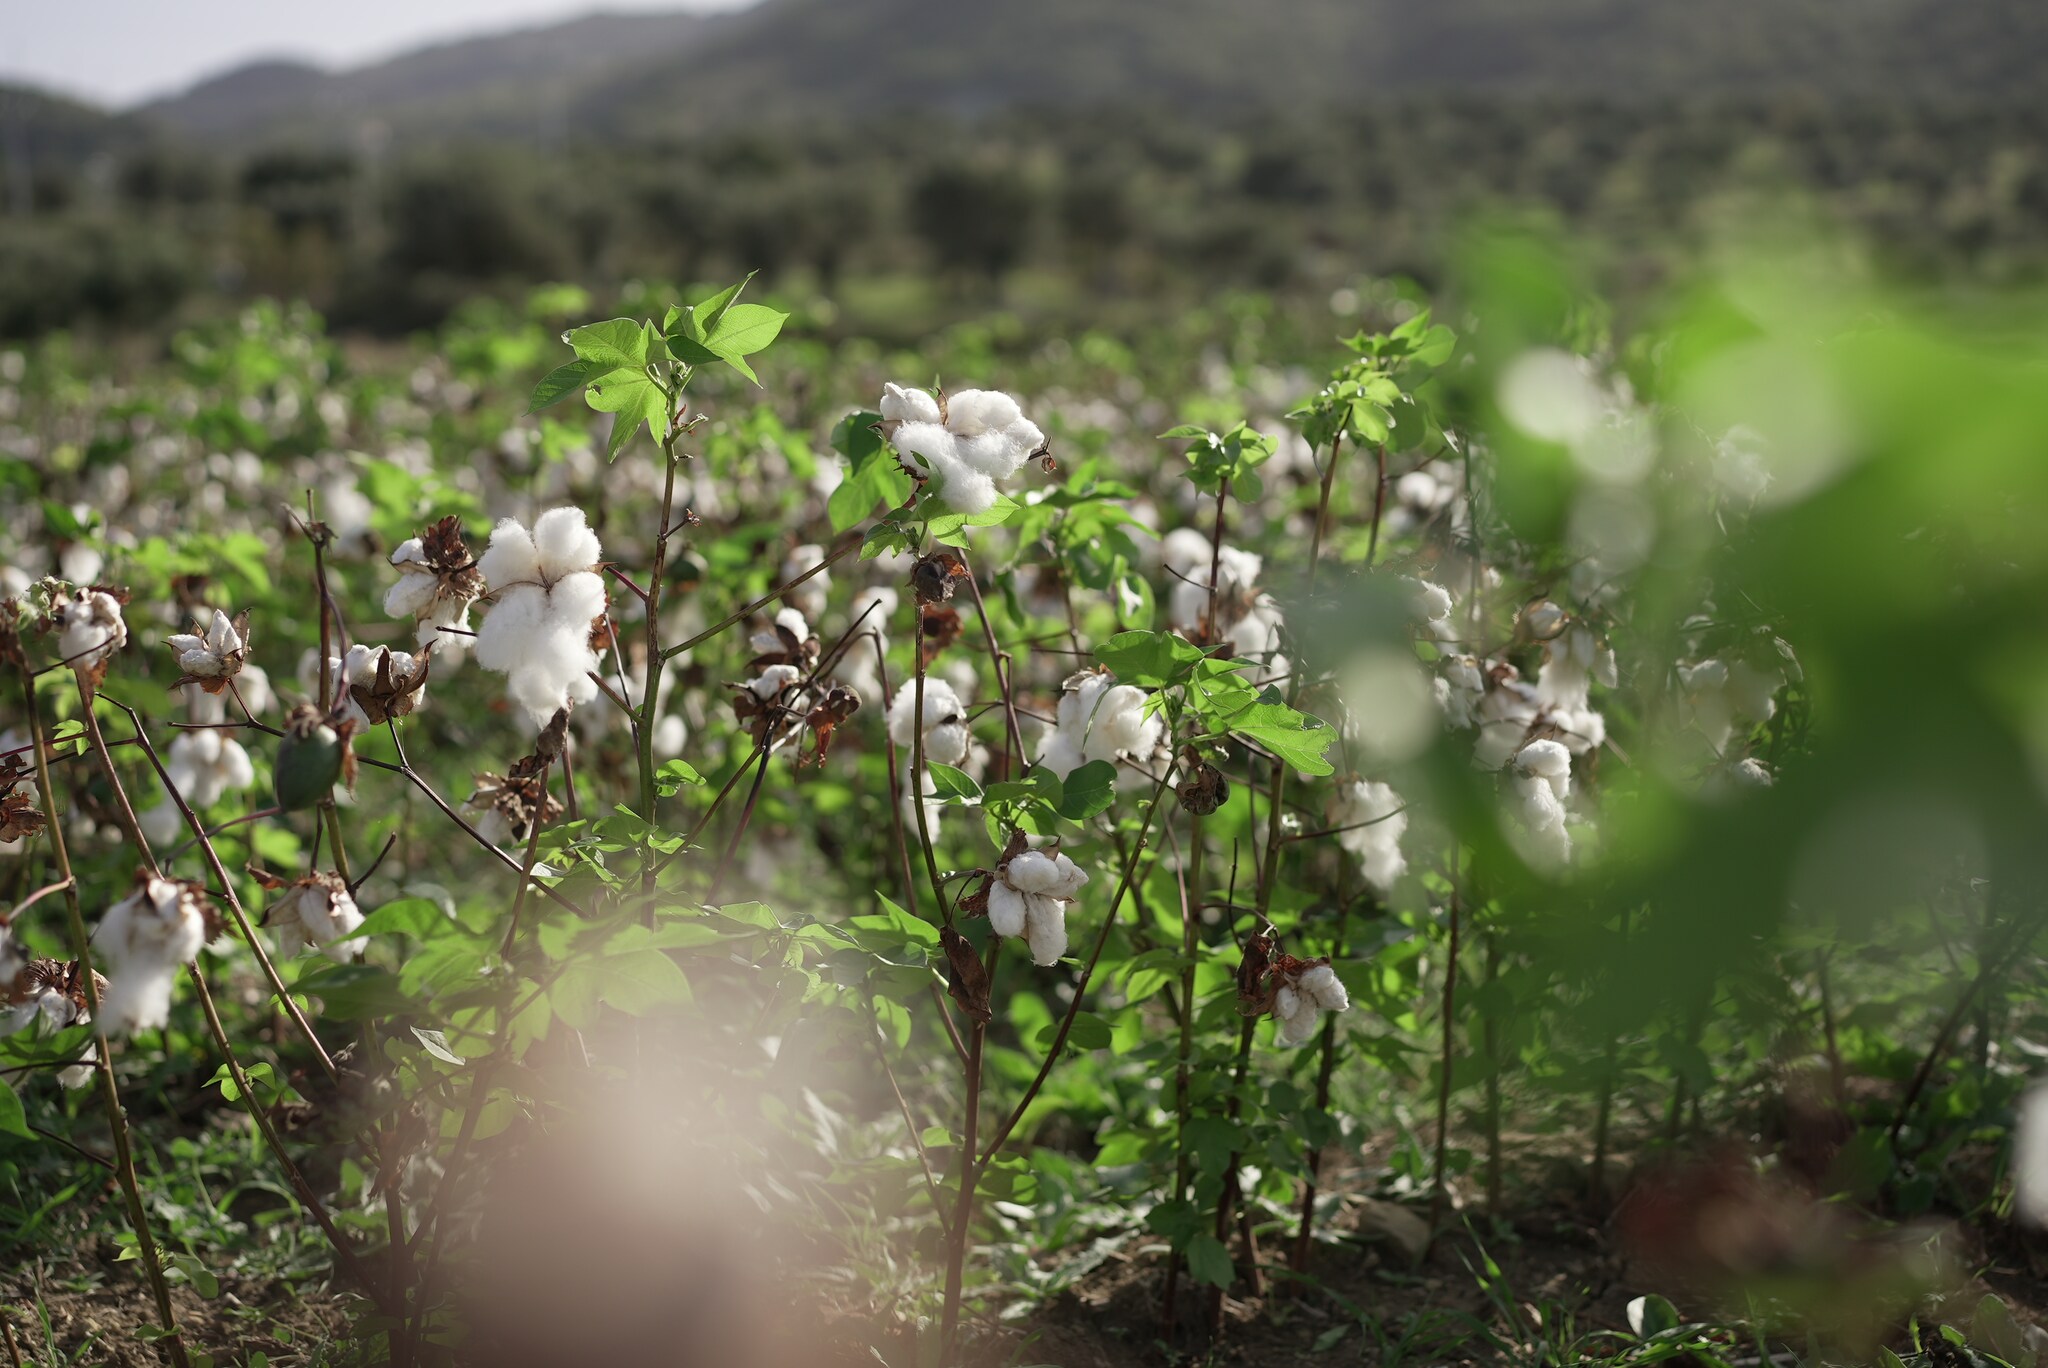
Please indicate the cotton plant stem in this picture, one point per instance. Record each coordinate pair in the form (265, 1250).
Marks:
(1190, 882)
(1443, 1094)
(110, 1096)
(1226, 1201)
(998, 659)
(963, 1202)
(1491, 1030)
(651, 668)
(1326, 1069)
(344, 1253)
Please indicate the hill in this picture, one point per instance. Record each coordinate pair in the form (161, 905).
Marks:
(515, 85)
(792, 59)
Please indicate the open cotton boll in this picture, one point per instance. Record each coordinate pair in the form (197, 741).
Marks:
(208, 654)
(90, 628)
(973, 412)
(511, 558)
(1541, 781)
(1371, 818)
(1005, 909)
(143, 940)
(1045, 928)
(905, 405)
(1327, 990)
(773, 680)
(203, 765)
(1099, 719)
(318, 912)
(563, 543)
(946, 736)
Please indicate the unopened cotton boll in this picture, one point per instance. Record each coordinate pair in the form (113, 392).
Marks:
(946, 736)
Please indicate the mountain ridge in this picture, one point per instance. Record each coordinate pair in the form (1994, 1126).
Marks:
(675, 73)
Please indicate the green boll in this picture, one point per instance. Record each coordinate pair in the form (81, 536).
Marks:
(308, 763)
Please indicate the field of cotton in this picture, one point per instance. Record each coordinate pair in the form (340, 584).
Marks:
(1484, 828)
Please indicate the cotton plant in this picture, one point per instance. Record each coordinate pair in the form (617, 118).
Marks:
(547, 598)
(946, 736)
(1237, 613)
(1028, 900)
(1099, 719)
(961, 444)
(144, 940)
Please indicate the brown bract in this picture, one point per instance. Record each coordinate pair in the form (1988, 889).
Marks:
(20, 814)
(390, 692)
(966, 980)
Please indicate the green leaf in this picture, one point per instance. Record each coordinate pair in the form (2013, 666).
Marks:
(950, 783)
(745, 329)
(1150, 660)
(1209, 1261)
(635, 399)
(436, 1044)
(12, 1119)
(1294, 738)
(1088, 790)
(563, 381)
(672, 777)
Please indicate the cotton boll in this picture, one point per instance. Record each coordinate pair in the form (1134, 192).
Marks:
(1045, 928)
(577, 598)
(1005, 909)
(511, 558)
(511, 626)
(91, 628)
(1753, 692)
(1322, 984)
(773, 680)
(1033, 871)
(972, 412)
(907, 806)
(137, 998)
(1371, 818)
(563, 542)
(902, 405)
(945, 729)
(2030, 1156)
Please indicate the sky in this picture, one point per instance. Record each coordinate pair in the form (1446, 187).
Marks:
(122, 52)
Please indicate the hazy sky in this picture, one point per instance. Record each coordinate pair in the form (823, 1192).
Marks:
(118, 52)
